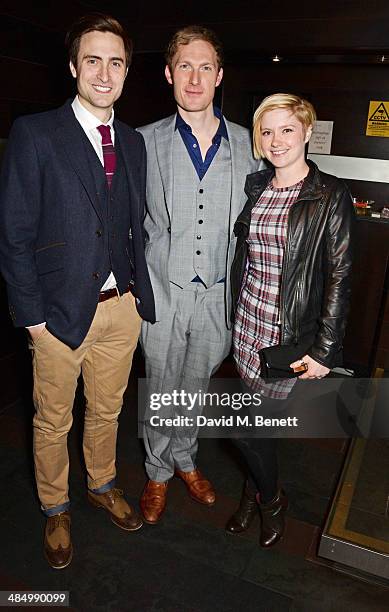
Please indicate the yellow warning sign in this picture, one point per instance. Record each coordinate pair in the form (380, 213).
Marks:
(378, 119)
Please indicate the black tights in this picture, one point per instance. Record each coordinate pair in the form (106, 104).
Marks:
(261, 459)
(260, 454)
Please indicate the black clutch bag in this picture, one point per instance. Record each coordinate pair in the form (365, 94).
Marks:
(276, 360)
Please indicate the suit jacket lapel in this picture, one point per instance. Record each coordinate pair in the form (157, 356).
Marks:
(238, 167)
(241, 166)
(131, 166)
(72, 138)
(163, 135)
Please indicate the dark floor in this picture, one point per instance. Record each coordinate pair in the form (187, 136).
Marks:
(187, 563)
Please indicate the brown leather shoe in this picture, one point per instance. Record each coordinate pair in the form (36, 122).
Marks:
(153, 501)
(199, 488)
(120, 511)
(57, 546)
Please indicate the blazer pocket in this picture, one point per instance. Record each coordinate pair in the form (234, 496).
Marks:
(50, 257)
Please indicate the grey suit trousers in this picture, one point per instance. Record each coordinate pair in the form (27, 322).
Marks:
(182, 351)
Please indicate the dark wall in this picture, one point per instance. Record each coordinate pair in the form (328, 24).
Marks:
(340, 93)
(33, 88)
(146, 96)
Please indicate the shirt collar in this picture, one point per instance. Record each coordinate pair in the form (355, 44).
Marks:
(221, 130)
(87, 120)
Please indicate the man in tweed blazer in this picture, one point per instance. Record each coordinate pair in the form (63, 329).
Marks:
(72, 255)
(197, 165)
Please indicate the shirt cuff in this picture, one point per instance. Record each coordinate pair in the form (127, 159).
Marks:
(36, 325)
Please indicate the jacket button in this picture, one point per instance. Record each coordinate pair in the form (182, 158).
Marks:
(96, 275)
(198, 237)
(198, 252)
(201, 206)
(201, 190)
(99, 233)
(169, 229)
(201, 221)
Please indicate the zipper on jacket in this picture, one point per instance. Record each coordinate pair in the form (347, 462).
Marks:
(281, 317)
(300, 282)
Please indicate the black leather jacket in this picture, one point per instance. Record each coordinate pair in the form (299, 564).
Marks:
(315, 281)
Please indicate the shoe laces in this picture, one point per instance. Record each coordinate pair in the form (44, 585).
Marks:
(60, 520)
(116, 493)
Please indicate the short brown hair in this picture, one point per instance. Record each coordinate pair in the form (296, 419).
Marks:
(91, 23)
(303, 110)
(188, 35)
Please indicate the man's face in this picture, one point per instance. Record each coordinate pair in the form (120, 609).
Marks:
(194, 75)
(100, 72)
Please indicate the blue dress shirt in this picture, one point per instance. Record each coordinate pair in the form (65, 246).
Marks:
(192, 145)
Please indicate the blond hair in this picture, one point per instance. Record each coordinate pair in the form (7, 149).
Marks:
(303, 110)
(188, 35)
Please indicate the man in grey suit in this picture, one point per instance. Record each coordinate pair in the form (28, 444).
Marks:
(197, 165)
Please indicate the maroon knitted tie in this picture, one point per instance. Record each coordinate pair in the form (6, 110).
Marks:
(108, 152)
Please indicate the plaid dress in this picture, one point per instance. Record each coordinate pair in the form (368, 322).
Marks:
(257, 323)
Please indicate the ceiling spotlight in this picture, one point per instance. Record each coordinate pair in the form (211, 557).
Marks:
(276, 58)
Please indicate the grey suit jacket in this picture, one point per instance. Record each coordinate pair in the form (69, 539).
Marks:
(159, 195)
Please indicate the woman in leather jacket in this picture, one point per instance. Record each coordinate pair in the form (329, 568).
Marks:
(290, 280)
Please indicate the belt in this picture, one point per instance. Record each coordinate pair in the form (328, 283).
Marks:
(110, 293)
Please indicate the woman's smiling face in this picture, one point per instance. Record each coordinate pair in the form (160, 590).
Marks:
(283, 138)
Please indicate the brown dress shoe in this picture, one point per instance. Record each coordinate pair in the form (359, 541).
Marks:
(58, 547)
(120, 511)
(199, 488)
(153, 501)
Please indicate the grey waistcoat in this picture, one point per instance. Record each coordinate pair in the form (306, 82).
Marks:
(200, 217)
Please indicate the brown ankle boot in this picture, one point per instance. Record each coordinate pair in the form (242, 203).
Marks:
(244, 515)
(273, 520)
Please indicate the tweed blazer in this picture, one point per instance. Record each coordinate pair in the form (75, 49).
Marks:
(54, 227)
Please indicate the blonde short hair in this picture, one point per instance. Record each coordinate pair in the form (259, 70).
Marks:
(303, 110)
(190, 34)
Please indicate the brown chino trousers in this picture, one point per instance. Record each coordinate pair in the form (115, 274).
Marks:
(104, 359)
